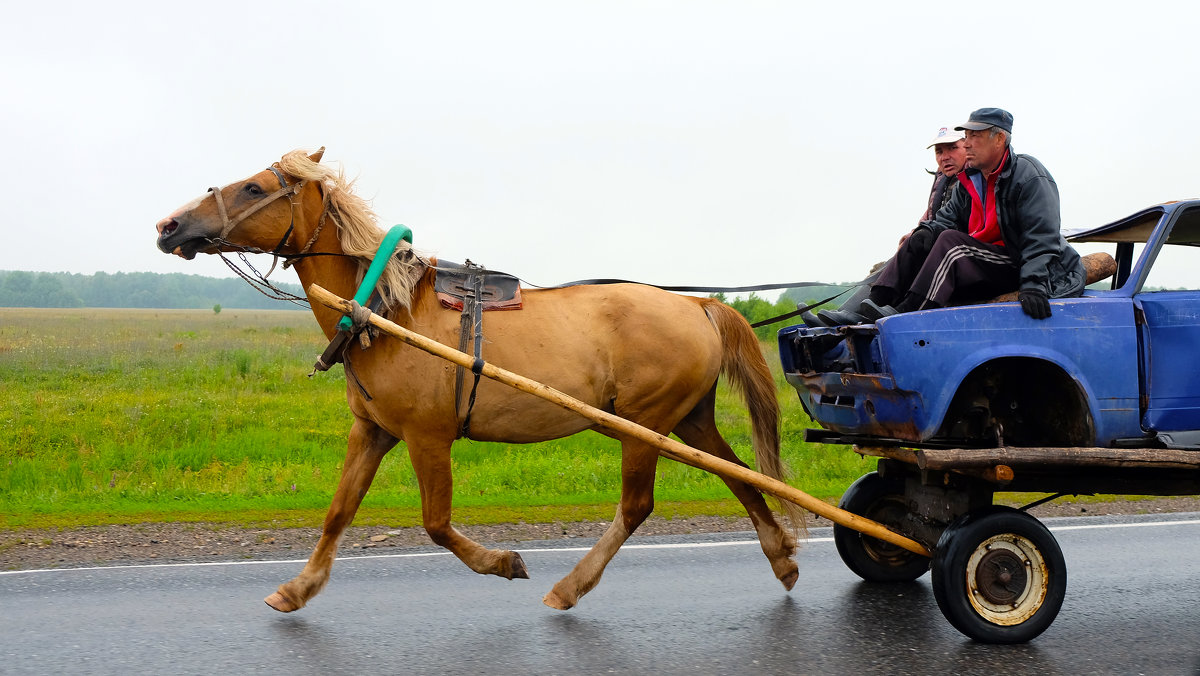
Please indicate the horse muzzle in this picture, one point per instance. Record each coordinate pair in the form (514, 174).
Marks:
(173, 238)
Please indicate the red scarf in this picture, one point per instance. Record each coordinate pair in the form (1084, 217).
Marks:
(983, 225)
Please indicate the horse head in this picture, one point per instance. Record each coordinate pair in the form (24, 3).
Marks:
(282, 210)
(255, 214)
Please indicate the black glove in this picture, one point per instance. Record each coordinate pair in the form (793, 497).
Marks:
(920, 241)
(1034, 303)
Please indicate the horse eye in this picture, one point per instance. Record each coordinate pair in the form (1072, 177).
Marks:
(252, 189)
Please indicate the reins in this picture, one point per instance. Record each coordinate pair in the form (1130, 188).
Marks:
(261, 283)
(733, 289)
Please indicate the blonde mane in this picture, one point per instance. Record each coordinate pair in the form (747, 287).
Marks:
(358, 232)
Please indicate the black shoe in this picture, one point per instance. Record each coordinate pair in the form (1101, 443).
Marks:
(875, 312)
(811, 321)
(841, 317)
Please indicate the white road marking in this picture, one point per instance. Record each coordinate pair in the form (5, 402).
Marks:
(1145, 524)
(672, 545)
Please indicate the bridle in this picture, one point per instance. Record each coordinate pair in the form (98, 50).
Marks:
(285, 190)
(259, 280)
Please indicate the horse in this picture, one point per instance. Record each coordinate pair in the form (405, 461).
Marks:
(639, 352)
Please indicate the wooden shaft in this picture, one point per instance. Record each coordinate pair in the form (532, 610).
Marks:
(668, 447)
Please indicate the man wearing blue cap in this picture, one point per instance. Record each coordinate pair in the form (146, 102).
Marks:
(999, 231)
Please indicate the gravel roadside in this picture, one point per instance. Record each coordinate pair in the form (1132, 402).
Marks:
(194, 543)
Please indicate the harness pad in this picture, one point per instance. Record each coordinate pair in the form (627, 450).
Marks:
(500, 291)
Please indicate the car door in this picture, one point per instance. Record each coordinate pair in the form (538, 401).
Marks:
(1172, 360)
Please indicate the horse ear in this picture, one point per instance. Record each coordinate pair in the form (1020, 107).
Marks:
(316, 157)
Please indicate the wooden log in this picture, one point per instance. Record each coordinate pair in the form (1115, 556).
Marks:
(962, 458)
(668, 447)
(1096, 266)
(907, 455)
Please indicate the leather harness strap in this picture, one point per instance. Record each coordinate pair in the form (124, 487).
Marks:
(284, 190)
(316, 233)
(470, 328)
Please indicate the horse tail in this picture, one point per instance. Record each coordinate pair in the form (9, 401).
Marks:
(742, 362)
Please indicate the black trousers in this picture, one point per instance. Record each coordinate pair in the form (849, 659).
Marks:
(956, 269)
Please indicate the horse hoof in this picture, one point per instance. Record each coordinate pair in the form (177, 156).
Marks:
(519, 571)
(789, 580)
(555, 601)
(281, 603)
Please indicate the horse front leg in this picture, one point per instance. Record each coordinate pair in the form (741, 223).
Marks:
(638, 463)
(367, 446)
(431, 463)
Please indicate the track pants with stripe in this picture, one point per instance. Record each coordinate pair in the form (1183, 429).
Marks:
(957, 269)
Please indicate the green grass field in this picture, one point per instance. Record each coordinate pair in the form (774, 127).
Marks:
(119, 416)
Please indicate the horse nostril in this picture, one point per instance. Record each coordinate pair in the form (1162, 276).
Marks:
(167, 226)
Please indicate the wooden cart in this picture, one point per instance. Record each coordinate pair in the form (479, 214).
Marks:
(998, 574)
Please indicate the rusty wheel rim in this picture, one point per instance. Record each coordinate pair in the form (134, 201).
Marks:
(890, 512)
(1007, 579)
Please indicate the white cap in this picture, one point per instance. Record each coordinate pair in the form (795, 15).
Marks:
(946, 135)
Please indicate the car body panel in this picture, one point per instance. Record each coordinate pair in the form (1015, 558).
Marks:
(1131, 356)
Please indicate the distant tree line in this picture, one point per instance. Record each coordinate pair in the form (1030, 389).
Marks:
(196, 292)
(134, 289)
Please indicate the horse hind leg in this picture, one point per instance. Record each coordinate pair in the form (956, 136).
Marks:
(431, 462)
(638, 463)
(367, 446)
(699, 430)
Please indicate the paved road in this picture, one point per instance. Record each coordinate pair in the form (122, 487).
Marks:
(668, 607)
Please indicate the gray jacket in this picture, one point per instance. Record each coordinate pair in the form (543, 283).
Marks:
(1028, 211)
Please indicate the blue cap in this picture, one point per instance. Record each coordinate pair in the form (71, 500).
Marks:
(988, 117)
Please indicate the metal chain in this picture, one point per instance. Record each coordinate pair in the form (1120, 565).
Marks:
(259, 281)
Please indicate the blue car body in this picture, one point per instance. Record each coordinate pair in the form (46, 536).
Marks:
(1115, 367)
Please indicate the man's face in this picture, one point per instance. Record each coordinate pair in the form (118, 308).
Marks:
(951, 157)
(984, 151)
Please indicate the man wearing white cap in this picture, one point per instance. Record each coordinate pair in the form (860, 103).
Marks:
(951, 157)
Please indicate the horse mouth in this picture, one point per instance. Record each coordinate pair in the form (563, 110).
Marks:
(183, 246)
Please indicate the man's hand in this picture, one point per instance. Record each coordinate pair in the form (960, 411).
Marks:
(920, 240)
(1034, 303)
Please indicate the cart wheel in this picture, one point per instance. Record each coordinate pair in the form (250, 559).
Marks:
(873, 560)
(999, 575)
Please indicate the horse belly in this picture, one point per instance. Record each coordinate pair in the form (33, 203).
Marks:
(507, 415)
(643, 354)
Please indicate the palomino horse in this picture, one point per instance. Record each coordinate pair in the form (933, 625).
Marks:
(641, 353)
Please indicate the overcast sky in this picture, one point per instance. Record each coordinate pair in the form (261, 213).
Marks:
(701, 143)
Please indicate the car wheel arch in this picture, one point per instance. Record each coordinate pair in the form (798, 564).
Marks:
(1019, 400)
